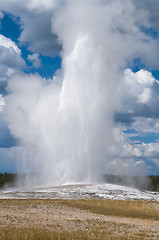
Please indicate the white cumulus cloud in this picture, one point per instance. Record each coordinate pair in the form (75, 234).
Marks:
(11, 61)
(139, 96)
(8, 43)
(35, 17)
(35, 60)
(2, 103)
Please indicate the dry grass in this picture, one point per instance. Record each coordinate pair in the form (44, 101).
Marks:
(78, 219)
(124, 208)
(37, 233)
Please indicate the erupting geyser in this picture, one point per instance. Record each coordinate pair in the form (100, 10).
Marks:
(65, 124)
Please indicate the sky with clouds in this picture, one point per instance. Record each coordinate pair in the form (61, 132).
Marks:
(79, 82)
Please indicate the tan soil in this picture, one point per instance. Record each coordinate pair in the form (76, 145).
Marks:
(66, 218)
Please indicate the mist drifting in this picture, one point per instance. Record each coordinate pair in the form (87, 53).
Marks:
(65, 125)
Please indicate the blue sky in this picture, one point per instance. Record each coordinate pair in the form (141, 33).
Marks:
(137, 117)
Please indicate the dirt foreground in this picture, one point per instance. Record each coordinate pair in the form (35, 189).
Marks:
(61, 216)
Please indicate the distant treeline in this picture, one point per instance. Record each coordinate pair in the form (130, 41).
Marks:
(150, 183)
(7, 179)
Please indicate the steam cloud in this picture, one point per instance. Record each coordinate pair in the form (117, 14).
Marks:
(65, 125)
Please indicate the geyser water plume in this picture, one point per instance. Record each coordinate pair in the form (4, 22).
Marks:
(65, 125)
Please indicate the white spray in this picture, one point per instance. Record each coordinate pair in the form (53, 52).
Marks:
(65, 125)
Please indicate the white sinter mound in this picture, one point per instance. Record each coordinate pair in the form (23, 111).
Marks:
(105, 191)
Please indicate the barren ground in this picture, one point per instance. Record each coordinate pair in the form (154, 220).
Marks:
(60, 217)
